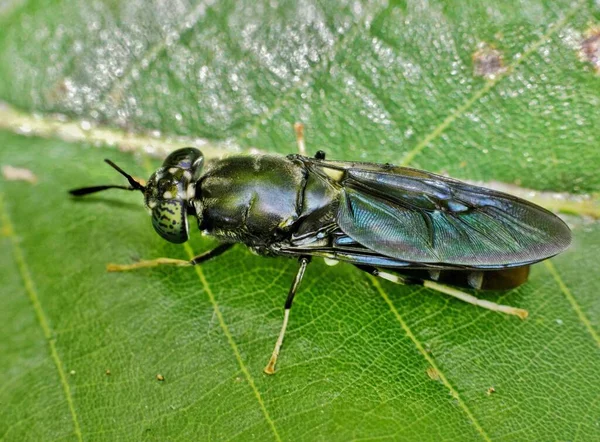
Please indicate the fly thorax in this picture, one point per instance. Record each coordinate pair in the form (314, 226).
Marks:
(198, 207)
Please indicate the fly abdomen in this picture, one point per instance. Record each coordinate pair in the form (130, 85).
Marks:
(501, 279)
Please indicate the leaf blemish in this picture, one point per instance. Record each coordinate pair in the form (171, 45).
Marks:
(11, 173)
(590, 48)
(433, 374)
(60, 91)
(6, 231)
(487, 61)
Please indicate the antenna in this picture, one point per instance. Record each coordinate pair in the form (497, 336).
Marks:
(134, 185)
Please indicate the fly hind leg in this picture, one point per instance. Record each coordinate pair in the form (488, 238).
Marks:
(447, 290)
(299, 130)
(170, 261)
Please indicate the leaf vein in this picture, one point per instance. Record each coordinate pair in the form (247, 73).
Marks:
(463, 108)
(430, 360)
(295, 87)
(574, 304)
(232, 343)
(152, 53)
(7, 226)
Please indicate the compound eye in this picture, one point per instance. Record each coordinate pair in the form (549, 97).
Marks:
(169, 218)
(183, 158)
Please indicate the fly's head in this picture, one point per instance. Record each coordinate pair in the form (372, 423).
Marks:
(170, 192)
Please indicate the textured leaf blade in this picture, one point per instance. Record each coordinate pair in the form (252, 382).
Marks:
(362, 358)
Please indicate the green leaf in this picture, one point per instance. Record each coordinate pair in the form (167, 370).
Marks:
(362, 358)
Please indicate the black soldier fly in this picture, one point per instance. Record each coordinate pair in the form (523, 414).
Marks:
(398, 223)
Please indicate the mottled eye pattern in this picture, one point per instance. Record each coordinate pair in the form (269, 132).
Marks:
(169, 220)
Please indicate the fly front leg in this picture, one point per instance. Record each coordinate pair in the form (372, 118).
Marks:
(463, 296)
(270, 368)
(170, 261)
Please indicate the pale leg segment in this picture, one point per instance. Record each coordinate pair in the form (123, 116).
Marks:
(270, 368)
(463, 296)
(299, 129)
(170, 261)
(476, 301)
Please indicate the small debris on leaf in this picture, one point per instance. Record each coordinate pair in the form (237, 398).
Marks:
(11, 173)
(590, 47)
(107, 372)
(160, 377)
(487, 61)
(433, 374)
(490, 391)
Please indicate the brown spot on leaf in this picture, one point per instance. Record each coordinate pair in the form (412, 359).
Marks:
(58, 92)
(590, 47)
(487, 61)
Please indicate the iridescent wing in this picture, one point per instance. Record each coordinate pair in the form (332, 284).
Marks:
(420, 217)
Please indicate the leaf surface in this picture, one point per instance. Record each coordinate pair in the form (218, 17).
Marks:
(362, 358)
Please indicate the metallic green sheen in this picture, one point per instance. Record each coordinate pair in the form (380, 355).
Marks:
(251, 199)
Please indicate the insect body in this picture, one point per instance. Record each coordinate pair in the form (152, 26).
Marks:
(421, 226)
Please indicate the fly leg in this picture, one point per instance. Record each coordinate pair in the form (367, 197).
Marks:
(398, 279)
(299, 129)
(170, 261)
(270, 368)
